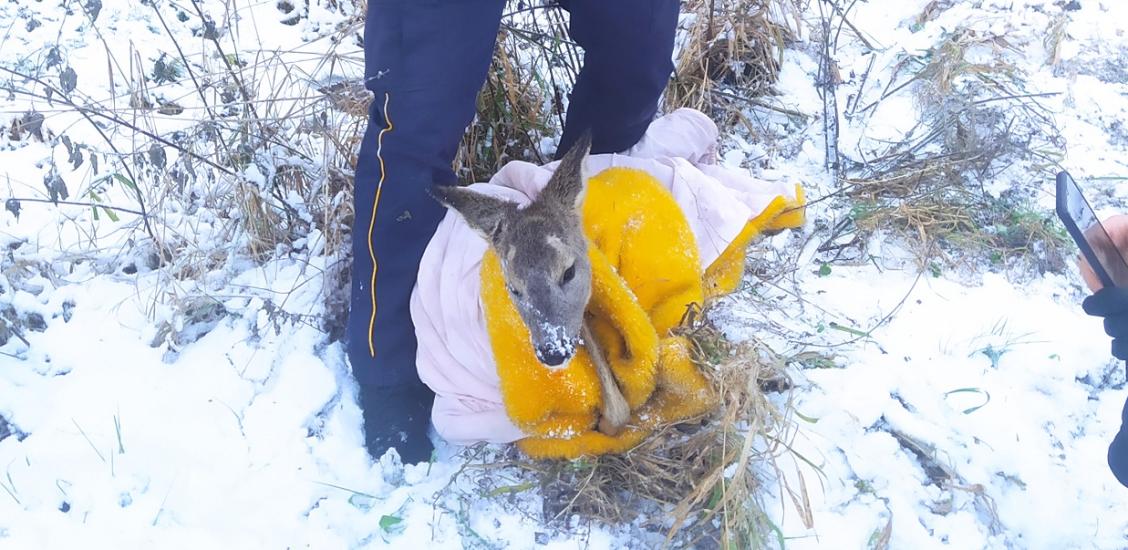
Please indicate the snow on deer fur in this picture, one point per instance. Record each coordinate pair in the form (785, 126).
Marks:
(456, 358)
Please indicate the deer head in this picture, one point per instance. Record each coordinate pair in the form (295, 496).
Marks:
(543, 253)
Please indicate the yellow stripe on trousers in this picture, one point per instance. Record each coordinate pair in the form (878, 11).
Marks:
(372, 222)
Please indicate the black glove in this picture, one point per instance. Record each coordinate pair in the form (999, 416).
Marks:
(1112, 304)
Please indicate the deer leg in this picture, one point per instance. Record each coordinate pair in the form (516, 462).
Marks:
(616, 412)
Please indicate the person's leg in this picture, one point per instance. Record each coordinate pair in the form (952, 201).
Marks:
(425, 62)
(1118, 451)
(628, 50)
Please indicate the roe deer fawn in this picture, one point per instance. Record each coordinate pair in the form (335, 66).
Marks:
(544, 259)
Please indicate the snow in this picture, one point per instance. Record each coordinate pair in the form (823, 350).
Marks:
(1025, 363)
(178, 412)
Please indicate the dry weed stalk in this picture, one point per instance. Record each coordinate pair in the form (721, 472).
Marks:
(259, 221)
(1053, 39)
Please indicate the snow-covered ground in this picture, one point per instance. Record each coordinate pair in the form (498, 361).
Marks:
(969, 409)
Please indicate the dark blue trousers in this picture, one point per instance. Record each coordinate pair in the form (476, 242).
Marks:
(425, 60)
(1118, 450)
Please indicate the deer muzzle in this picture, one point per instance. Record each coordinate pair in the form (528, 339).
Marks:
(555, 354)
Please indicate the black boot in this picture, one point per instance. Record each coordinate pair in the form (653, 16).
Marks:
(397, 416)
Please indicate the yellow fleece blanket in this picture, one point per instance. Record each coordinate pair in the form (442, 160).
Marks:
(646, 273)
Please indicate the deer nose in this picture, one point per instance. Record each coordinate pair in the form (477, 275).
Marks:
(553, 356)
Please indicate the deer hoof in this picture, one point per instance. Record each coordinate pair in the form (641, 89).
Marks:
(609, 428)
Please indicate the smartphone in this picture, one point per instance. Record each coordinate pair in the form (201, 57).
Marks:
(1091, 237)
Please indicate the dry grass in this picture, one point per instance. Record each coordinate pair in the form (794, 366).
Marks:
(976, 125)
(519, 106)
(263, 140)
(227, 154)
(930, 206)
(731, 55)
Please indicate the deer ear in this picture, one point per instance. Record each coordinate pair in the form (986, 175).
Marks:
(485, 214)
(566, 187)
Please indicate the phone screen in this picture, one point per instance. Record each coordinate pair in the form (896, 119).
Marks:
(1091, 237)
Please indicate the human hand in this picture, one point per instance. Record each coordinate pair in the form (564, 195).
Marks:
(1117, 227)
(1112, 304)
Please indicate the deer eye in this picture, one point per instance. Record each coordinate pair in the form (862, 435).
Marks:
(513, 290)
(569, 274)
